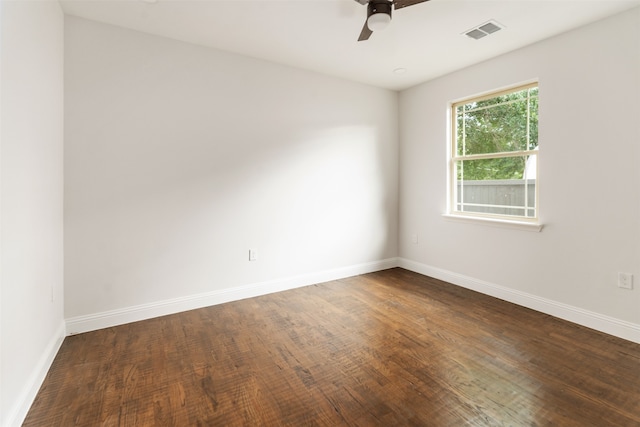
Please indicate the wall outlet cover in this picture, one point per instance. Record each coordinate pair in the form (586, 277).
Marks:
(625, 280)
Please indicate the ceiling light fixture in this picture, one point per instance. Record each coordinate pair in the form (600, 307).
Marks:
(379, 15)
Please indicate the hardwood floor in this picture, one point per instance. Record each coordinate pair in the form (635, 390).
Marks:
(388, 348)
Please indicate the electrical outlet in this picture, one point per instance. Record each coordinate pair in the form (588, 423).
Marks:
(414, 239)
(253, 255)
(625, 280)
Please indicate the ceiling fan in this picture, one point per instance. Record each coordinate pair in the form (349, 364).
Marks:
(379, 14)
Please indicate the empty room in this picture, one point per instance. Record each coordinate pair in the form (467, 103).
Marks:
(319, 212)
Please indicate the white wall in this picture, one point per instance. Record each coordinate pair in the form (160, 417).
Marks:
(589, 177)
(179, 159)
(31, 177)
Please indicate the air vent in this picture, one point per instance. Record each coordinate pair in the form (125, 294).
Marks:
(483, 30)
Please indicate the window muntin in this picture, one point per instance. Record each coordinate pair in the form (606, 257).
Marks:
(494, 155)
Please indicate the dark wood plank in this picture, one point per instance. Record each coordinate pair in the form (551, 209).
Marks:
(387, 348)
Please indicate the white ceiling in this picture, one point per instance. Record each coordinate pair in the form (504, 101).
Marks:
(321, 35)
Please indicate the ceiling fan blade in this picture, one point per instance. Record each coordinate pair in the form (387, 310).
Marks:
(365, 33)
(399, 4)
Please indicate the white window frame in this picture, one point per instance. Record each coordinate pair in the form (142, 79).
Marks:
(527, 222)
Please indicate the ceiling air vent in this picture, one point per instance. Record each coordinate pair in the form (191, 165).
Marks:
(483, 30)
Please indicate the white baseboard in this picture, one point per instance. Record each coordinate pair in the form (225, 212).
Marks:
(28, 393)
(107, 319)
(599, 322)
(609, 325)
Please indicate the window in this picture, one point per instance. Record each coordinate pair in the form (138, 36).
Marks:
(494, 150)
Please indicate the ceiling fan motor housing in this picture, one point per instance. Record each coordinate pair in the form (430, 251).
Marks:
(379, 6)
(379, 14)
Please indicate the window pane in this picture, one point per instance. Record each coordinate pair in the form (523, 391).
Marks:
(500, 186)
(501, 124)
(487, 169)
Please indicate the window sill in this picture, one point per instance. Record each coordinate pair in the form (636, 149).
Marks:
(513, 224)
